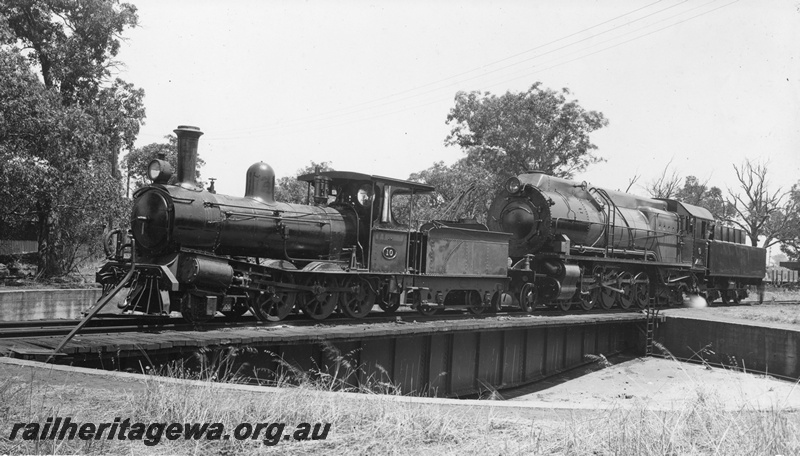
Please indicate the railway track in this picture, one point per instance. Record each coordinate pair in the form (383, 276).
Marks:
(113, 323)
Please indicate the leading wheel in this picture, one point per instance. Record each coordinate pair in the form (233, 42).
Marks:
(319, 303)
(357, 302)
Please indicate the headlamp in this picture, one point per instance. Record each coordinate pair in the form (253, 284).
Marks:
(159, 171)
(512, 185)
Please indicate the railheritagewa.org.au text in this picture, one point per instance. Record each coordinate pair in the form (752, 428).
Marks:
(64, 428)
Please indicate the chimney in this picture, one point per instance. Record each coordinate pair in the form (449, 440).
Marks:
(187, 155)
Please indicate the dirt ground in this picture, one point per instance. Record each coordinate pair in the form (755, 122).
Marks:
(666, 384)
(660, 384)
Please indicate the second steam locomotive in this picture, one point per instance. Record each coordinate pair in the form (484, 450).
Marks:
(548, 242)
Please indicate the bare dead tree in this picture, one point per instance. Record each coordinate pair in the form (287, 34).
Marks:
(758, 210)
(632, 181)
(665, 186)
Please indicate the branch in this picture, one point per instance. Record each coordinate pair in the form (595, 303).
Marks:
(632, 181)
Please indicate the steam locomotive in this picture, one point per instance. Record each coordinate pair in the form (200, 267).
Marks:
(549, 242)
(576, 244)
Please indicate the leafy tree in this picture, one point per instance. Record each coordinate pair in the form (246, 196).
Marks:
(757, 209)
(137, 160)
(291, 190)
(791, 240)
(668, 186)
(118, 112)
(73, 44)
(63, 121)
(536, 129)
(54, 170)
(503, 136)
(700, 194)
(463, 191)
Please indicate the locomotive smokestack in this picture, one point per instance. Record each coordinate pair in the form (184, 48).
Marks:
(187, 154)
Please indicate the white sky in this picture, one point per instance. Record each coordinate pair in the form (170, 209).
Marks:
(367, 85)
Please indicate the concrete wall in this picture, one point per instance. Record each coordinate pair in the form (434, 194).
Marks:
(766, 348)
(45, 304)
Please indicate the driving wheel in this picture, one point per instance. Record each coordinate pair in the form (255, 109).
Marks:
(626, 298)
(606, 298)
(319, 303)
(357, 302)
(641, 290)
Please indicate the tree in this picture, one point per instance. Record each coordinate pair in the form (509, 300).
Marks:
(631, 182)
(54, 170)
(291, 190)
(73, 44)
(699, 194)
(118, 112)
(463, 191)
(61, 133)
(791, 241)
(758, 210)
(536, 129)
(503, 136)
(137, 160)
(666, 185)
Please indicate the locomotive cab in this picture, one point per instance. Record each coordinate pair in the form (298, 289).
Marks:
(694, 224)
(385, 228)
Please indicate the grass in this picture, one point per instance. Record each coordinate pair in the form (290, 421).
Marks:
(770, 311)
(381, 424)
(772, 294)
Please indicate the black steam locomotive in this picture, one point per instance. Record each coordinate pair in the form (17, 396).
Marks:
(573, 243)
(199, 252)
(549, 242)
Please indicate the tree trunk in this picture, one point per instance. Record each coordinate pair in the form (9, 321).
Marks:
(48, 262)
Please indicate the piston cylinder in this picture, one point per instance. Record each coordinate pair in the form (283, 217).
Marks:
(205, 273)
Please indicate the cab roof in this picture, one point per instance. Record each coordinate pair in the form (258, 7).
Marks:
(691, 209)
(343, 177)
